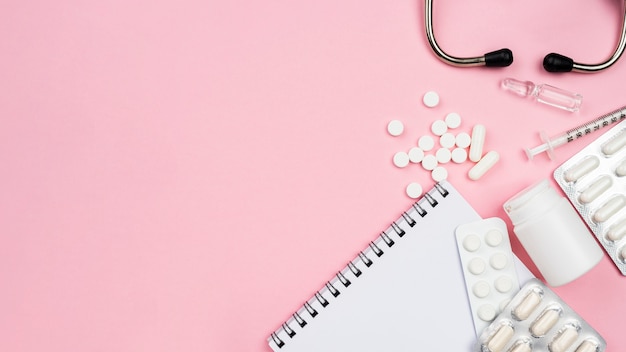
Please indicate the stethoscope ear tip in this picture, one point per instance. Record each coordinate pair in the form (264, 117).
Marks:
(557, 63)
(499, 58)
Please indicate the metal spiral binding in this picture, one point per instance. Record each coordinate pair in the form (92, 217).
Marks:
(386, 238)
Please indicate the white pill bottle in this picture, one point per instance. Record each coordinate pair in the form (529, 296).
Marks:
(553, 234)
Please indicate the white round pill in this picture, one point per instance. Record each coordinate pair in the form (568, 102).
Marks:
(463, 140)
(401, 159)
(395, 127)
(447, 140)
(453, 120)
(439, 127)
(503, 284)
(431, 99)
(414, 190)
(426, 143)
(459, 155)
(476, 266)
(481, 289)
(439, 174)
(493, 237)
(486, 312)
(429, 162)
(443, 155)
(471, 243)
(498, 261)
(416, 154)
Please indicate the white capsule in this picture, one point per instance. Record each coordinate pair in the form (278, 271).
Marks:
(416, 154)
(620, 170)
(401, 159)
(439, 127)
(500, 338)
(527, 306)
(426, 143)
(564, 339)
(581, 168)
(595, 189)
(453, 120)
(459, 155)
(614, 145)
(587, 346)
(609, 208)
(545, 322)
(478, 141)
(617, 231)
(395, 127)
(484, 165)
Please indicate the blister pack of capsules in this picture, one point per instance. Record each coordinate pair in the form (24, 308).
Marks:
(594, 180)
(488, 268)
(537, 319)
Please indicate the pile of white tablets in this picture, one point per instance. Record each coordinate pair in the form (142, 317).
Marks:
(443, 145)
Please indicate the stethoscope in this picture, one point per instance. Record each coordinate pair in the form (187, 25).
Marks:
(504, 57)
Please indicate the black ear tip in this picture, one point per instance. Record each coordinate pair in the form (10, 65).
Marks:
(557, 63)
(499, 58)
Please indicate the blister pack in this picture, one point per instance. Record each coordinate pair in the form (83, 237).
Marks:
(488, 268)
(537, 319)
(594, 182)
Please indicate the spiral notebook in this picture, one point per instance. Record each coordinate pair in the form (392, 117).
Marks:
(403, 292)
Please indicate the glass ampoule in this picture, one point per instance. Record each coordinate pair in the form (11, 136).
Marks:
(545, 93)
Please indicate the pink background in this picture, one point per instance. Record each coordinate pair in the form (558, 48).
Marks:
(182, 175)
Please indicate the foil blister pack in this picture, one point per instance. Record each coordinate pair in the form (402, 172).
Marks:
(594, 181)
(537, 319)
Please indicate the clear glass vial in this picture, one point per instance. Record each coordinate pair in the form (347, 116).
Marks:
(545, 93)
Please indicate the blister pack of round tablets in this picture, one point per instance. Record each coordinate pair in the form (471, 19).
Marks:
(488, 267)
(594, 181)
(537, 319)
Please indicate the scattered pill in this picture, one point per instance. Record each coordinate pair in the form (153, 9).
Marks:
(453, 120)
(503, 284)
(431, 99)
(587, 346)
(439, 174)
(545, 322)
(617, 231)
(395, 127)
(527, 306)
(609, 208)
(595, 189)
(439, 127)
(581, 168)
(500, 338)
(614, 144)
(401, 159)
(444, 155)
(487, 312)
(459, 155)
(477, 143)
(564, 339)
(484, 165)
(447, 140)
(427, 143)
(481, 289)
(471, 243)
(429, 162)
(414, 190)
(416, 154)
(476, 266)
(463, 140)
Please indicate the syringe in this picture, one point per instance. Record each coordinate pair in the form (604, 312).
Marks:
(575, 133)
